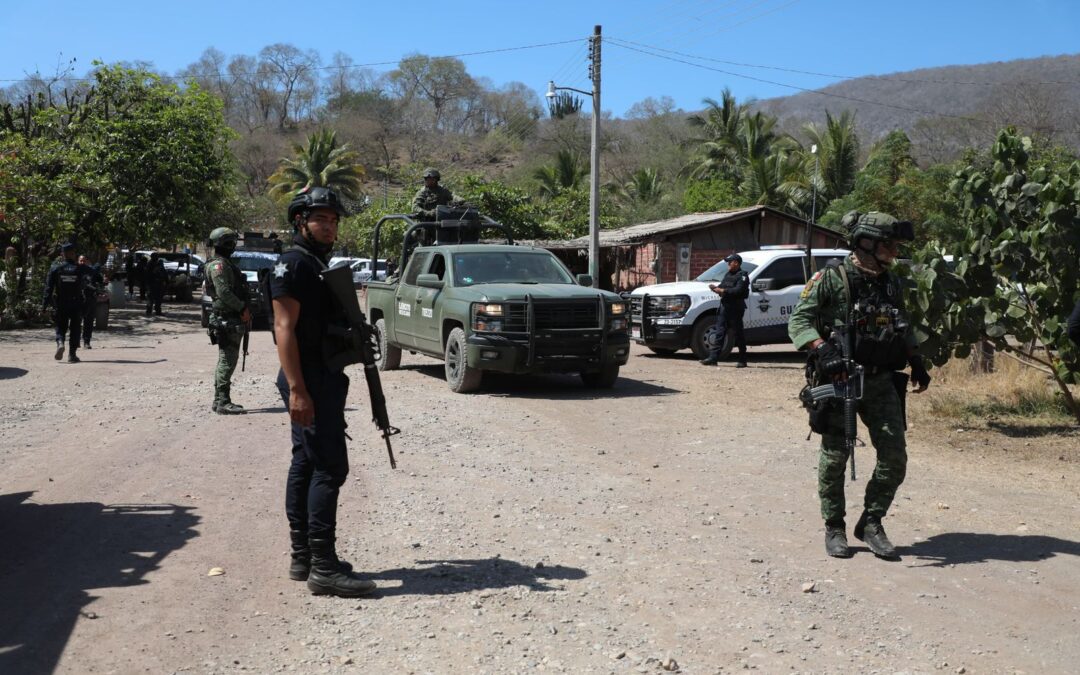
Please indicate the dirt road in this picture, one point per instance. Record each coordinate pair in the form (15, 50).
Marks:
(670, 523)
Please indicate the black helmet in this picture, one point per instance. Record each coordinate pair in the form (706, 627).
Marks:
(311, 198)
(432, 172)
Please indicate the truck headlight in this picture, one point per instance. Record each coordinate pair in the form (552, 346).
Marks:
(671, 304)
(618, 324)
(487, 318)
(618, 308)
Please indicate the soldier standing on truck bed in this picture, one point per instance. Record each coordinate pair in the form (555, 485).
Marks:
(431, 195)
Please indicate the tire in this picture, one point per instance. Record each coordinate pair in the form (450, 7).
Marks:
(702, 333)
(389, 356)
(602, 379)
(205, 318)
(662, 351)
(459, 376)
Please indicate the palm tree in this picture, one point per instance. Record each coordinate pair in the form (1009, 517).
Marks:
(718, 141)
(645, 187)
(776, 180)
(568, 173)
(838, 154)
(323, 163)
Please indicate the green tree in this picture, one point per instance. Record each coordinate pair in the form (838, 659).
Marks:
(838, 155)
(1017, 276)
(714, 194)
(718, 143)
(569, 172)
(323, 163)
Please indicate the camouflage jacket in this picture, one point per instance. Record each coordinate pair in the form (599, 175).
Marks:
(227, 286)
(824, 304)
(426, 200)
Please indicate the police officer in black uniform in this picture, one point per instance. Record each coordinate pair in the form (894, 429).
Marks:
(155, 284)
(733, 290)
(68, 281)
(314, 393)
(94, 283)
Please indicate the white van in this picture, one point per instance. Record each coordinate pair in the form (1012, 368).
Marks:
(669, 317)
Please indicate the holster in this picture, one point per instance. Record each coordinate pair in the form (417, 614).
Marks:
(818, 411)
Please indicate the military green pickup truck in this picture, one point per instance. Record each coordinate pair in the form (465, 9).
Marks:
(494, 307)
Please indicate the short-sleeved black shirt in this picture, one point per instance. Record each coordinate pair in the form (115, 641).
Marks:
(296, 275)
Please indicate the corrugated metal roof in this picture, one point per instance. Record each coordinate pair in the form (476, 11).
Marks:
(644, 231)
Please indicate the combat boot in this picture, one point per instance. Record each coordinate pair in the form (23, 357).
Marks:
(328, 578)
(300, 563)
(73, 359)
(836, 542)
(59, 350)
(228, 408)
(870, 531)
(709, 361)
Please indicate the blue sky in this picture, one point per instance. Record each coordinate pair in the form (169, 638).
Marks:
(841, 37)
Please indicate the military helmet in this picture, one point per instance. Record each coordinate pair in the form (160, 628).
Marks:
(220, 234)
(877, 226)
(311, 198)
(432, 172)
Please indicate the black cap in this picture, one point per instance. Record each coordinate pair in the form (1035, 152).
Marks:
(734, 257)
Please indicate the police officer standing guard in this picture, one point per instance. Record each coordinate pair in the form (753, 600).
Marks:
(68, 281)
(155, 284)
(860, 298)
(733, 290)
(230, 316)
(431, 195)
(314, 393)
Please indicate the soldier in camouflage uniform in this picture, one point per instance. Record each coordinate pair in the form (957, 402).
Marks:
(229, 316)
(431, 195)
(884, 345)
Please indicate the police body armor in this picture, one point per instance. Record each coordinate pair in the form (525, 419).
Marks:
(70, 287)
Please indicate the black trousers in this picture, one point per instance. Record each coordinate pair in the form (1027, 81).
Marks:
(154, 296)
(320, 460)
(69, 324)
(89, 315)
(729, 319)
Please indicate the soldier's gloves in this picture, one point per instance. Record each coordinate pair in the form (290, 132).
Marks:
(830, 361)
(918, 371)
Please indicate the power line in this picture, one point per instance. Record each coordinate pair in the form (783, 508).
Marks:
(892, 78)
(354, 65)
(802, 89)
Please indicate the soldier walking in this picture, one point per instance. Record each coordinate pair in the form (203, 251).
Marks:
(733, 290)
(314, 393)
(230, 316)
(860, 295)
(67, 280)
(155, 284)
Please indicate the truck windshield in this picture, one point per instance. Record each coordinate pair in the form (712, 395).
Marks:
(719, 270)
(253, 262)
(508, 267)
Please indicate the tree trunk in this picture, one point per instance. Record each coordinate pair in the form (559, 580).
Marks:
(982, 357)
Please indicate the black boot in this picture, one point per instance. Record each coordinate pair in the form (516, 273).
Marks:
(72, 358)
(836, 541)
(59, 350)
(300, 564)
(870, 531)
(327, 576)
(709, 361)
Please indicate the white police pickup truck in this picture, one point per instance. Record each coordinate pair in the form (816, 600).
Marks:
(669, 317)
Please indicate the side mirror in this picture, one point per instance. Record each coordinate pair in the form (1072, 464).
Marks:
(429, 281)
(584, 279)
(765, 285)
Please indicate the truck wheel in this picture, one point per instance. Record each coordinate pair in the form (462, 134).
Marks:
(603, 379)
(461, 378)
(389, 356)
(702, 335)
(205, 318)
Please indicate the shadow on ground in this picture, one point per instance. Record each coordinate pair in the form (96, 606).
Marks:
(7, 373)
(1014, 430)
(958, 548)
(54, 554)
(784, 360)
(444, 577)
(550, 387)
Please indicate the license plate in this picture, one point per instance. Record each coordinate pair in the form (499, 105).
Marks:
(635, 331)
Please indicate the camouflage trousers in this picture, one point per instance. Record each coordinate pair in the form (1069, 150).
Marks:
(228, 343)
(881, 412)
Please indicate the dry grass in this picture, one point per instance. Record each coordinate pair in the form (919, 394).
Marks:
(1011, 391)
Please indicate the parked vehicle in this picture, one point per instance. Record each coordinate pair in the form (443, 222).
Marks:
(493, 307)
(680, 315)
(250, 263)
(183, 273)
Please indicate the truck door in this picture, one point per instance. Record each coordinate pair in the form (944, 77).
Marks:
(406, 314)
(428, 333)
(768, 309)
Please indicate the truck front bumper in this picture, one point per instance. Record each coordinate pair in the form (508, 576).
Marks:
(560, 354)
(661, 336)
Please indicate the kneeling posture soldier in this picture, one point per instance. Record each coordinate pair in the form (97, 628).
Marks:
(230, 316)
(314, 391)
(852, 314)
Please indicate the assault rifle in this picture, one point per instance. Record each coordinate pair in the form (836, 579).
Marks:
(847, 389)
(244, 345)
(360, 347)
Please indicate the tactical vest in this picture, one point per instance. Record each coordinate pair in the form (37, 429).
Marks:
(240, 287)
(879, 321)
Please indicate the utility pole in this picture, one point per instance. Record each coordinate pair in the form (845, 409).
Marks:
(813, 215)
(594, 160)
